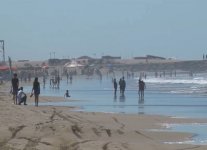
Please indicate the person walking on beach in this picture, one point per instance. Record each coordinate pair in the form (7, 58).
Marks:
(36, 90)
(15, 85)
(115, 86)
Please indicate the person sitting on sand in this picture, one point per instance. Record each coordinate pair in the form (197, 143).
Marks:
(67, 94)
(21, 96)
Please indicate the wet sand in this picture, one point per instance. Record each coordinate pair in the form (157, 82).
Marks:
(61, 128)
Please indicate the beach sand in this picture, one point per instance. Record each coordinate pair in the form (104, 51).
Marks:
(61, 128)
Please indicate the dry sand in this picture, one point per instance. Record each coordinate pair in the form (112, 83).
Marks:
(60, 128)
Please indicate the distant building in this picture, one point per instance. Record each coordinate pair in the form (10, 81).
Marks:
(140, 58)
(155, 57)
(22, 60)
(84, 57)
(150, 57)
(54, 61)
(110, 57)
(84, 60)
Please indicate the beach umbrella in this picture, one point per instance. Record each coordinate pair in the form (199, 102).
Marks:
(73, 64)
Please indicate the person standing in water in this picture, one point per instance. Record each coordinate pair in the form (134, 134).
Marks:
(139, 85)
(142, 87)
(115, 86)
(123, 85)
(36, 90)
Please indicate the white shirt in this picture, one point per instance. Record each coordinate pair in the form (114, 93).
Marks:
(20, 95)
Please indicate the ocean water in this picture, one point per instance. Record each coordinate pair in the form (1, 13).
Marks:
(180, 96)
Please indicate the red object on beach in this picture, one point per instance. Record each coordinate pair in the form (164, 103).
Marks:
(5, 68)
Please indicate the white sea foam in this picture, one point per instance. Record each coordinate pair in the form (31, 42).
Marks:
(200, 81)
(200, 137)
(193, 142)
(166, 125)
(182, 92)
(182, 142)
(170, 125)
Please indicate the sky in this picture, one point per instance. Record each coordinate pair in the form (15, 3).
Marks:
(43, 29)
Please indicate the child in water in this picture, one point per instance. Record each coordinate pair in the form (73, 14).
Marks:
(67, 94)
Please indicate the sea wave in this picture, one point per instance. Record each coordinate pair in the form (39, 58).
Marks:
(200, 81)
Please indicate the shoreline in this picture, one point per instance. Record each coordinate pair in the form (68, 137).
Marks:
(61, 128)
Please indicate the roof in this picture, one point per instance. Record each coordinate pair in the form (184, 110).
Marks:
(5, 68)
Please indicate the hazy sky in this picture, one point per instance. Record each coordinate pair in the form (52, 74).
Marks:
(34, 29)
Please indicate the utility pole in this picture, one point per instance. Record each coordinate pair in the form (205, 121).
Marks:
(2, 47)
(54, 54)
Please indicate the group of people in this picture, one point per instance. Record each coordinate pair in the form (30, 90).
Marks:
(19, 96)
(122, 85)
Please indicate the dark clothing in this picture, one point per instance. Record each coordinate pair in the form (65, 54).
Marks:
(115, 85)
(142, 86)
(15, 84)
(67, 94)
(141, 89)
(122, 84)
(36, 88)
